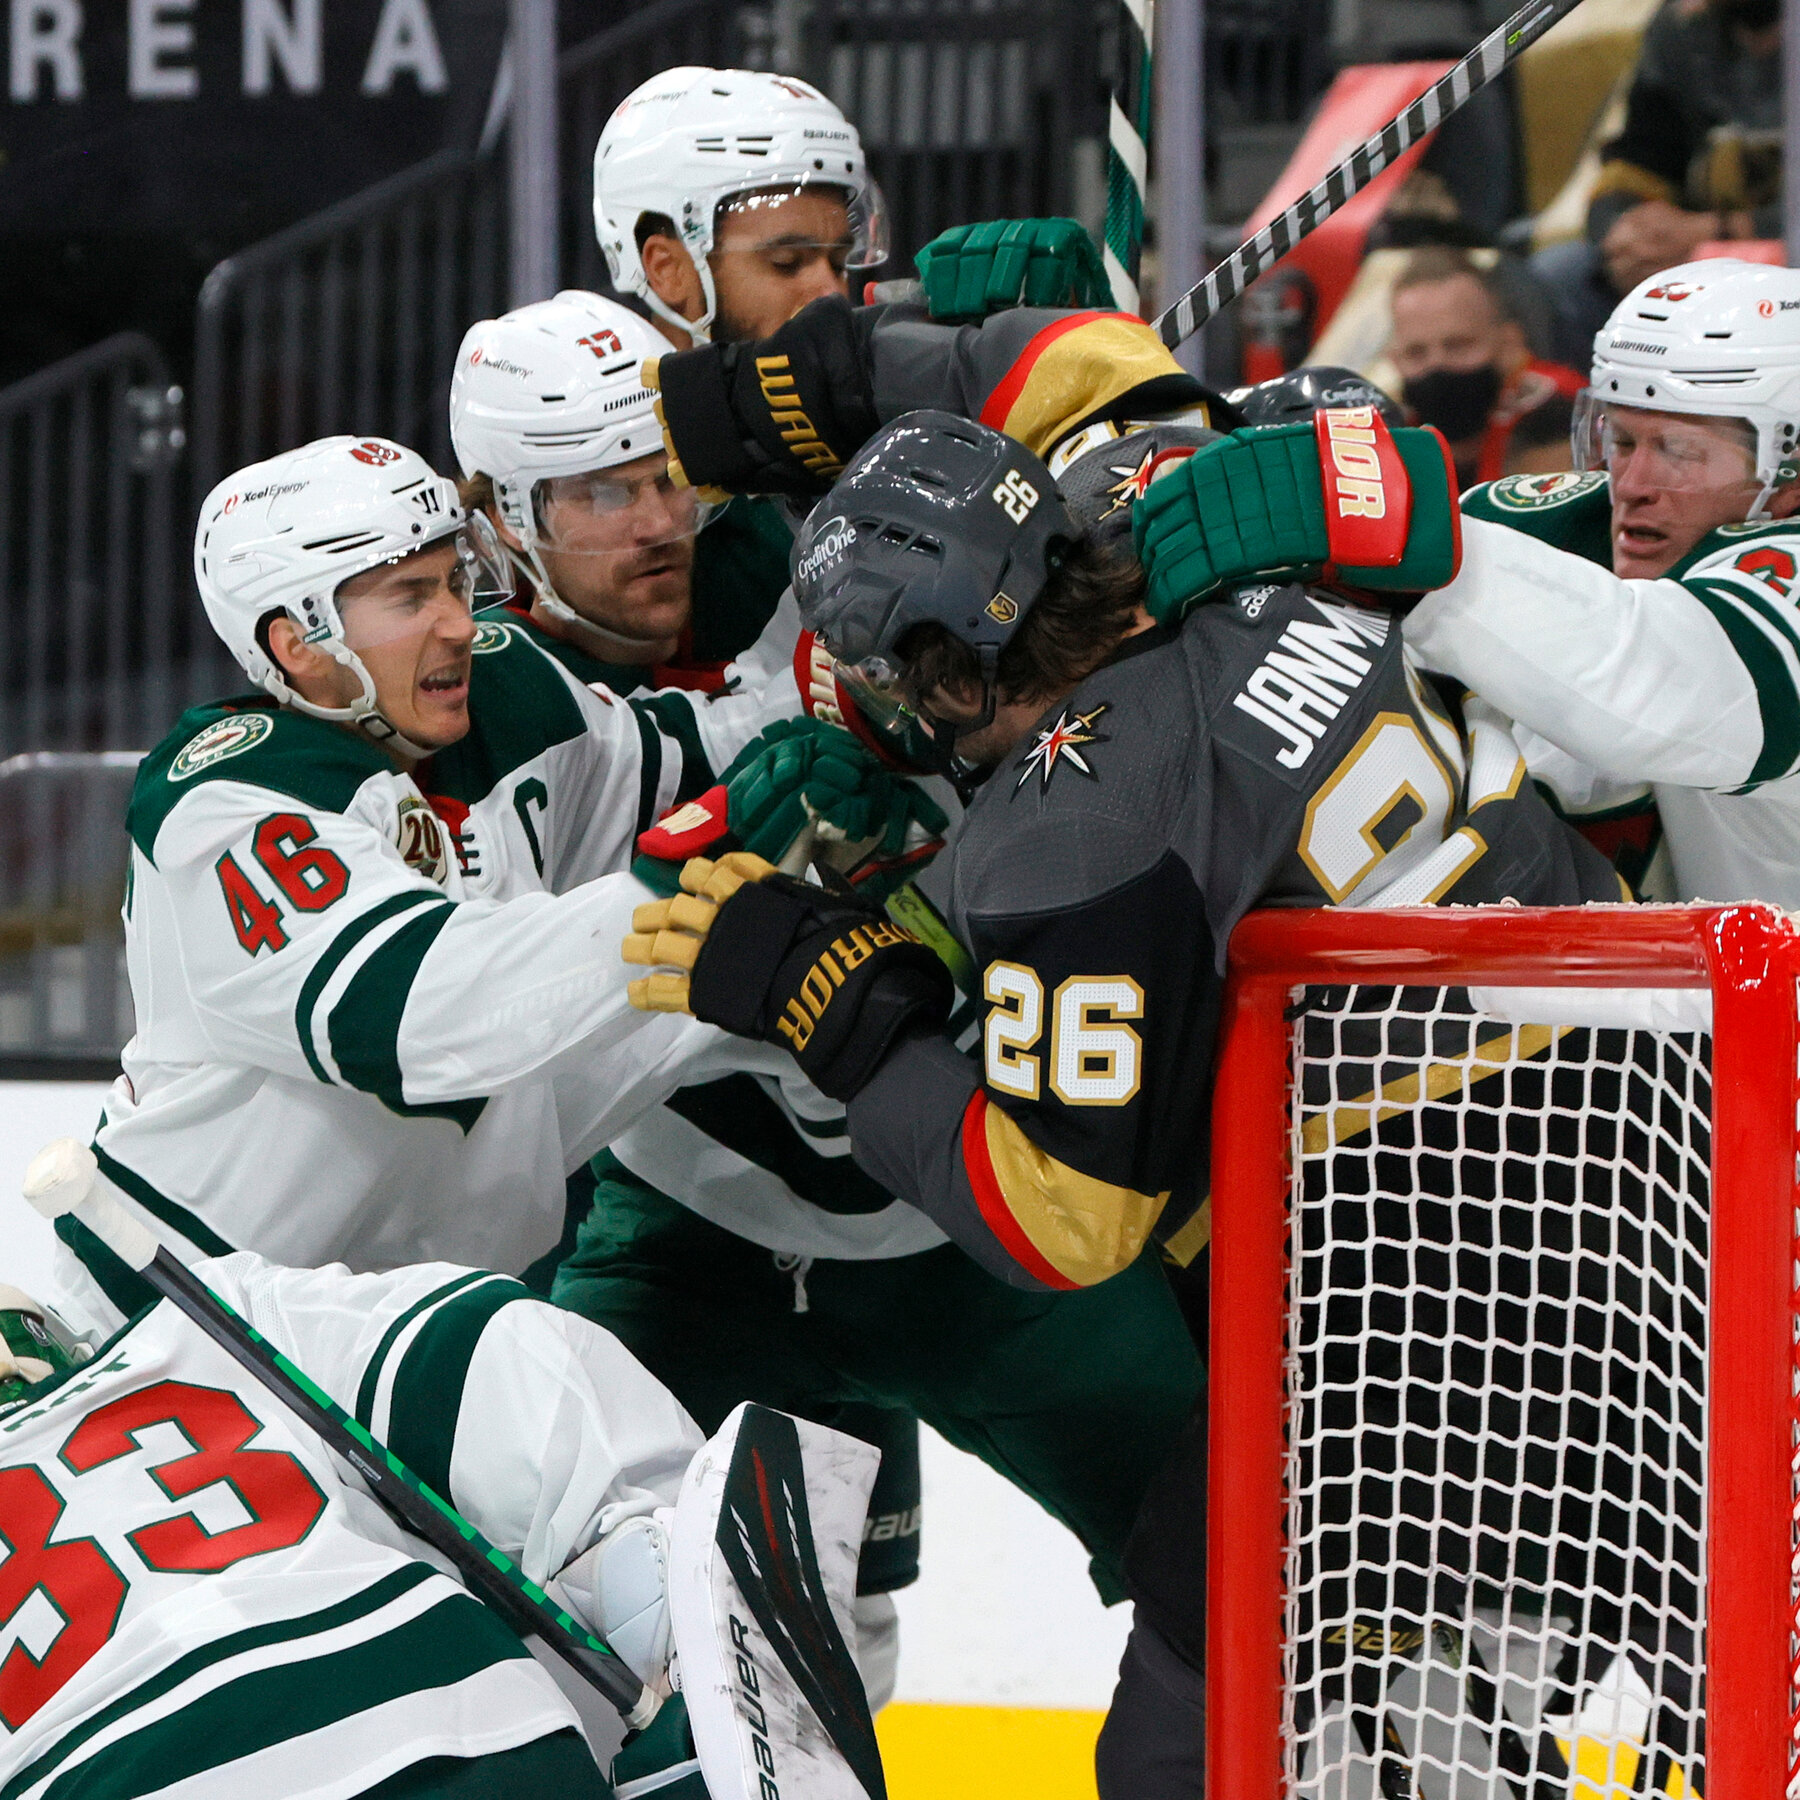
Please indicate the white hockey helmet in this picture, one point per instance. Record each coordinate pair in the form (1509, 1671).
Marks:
(283, 536)
(554, 388)
(689, 139)
(1717, 339)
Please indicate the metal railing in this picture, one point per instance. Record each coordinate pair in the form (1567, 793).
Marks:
(97, 644)
(349, 321)
(65, 1003)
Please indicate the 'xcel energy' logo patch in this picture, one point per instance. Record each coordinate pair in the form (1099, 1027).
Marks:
(224, 737)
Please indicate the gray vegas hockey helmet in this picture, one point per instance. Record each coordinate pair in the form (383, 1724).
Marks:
(1293, 398)
(937, 521)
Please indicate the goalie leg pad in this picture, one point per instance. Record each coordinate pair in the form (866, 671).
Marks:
(763, 1558)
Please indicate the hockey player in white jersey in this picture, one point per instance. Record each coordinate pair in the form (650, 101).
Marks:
(1638, 617)
(200, 1596)
(624, 577)
(368, 913)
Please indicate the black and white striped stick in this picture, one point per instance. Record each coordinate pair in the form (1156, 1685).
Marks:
(1482, 65)
(61, 1180)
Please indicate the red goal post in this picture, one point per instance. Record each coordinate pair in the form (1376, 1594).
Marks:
(1748, 956)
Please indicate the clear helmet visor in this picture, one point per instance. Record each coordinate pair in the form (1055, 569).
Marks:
(922, 731)
(412, 594)
(1661, 452)
(790, 226)
(632, 510)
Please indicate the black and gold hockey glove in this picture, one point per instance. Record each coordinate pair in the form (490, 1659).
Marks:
(775, 959)
(779, 416)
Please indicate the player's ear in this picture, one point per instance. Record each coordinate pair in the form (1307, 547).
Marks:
(671, 274)
(1785, 501)
(295, 658)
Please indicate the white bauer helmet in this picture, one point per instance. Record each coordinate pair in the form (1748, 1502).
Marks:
(553, 388)
(1716, 339)
(283, 536)
(690, 139)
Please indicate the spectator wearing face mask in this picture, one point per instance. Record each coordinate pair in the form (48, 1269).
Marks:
(1464, 362)
(1699, 159)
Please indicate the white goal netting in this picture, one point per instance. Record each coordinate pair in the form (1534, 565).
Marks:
(1497, 1408)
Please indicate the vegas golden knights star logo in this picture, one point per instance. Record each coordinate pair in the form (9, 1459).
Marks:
(1062, 743)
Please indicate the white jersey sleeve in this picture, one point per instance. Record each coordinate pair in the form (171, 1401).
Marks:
(540, 1427)
(307, 946)
(1692, 682)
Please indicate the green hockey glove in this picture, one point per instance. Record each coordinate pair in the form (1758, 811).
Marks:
(800, 777)
(971, 271)
(766, 957)
(1343, 500)
(779, 416)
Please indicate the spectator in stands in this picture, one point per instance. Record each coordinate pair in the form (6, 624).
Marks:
(1461, 353)
(1540, 442)
(1699, 159)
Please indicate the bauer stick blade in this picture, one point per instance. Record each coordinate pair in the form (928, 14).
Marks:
(61, 1180)
(1496, 52)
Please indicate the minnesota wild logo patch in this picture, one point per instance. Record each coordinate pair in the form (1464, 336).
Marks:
(225, 737)
(1527, 493)
(490, 637)
(1062, 743)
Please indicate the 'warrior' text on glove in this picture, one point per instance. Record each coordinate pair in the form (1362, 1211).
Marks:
(779, 416)
(1344, 500)
(770, 958)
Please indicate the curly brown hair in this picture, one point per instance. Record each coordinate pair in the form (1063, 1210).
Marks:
(1088, 606)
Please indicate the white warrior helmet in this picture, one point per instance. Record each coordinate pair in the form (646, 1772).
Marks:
(1717, 339)
(283, 536)
(690, 139)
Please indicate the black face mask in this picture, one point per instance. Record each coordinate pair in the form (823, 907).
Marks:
(1456, 401)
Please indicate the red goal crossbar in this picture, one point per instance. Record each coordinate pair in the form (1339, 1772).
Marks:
(1749, 956)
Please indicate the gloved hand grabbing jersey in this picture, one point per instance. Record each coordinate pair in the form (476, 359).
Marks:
(770, 958)
(802, 786)
(970, 271)
(1344, 500)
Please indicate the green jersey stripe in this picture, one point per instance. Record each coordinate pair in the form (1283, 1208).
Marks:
(160, 1206)
(256, 1637)
(365, 1022)
(448, 1642)
(428, 1386)
(1770, 671)
(736, 1112)
(674, 713)
(332, 957)
(649, 770)
(365, 1393)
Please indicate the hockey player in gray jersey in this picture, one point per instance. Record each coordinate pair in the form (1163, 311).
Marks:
(1140, 789)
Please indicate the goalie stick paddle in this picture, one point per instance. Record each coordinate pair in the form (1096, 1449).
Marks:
(61, 1180)
(1496, 52)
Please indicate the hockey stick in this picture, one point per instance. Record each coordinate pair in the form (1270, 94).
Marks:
(1496, 52)
(1127, 153)
(61, 1180)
